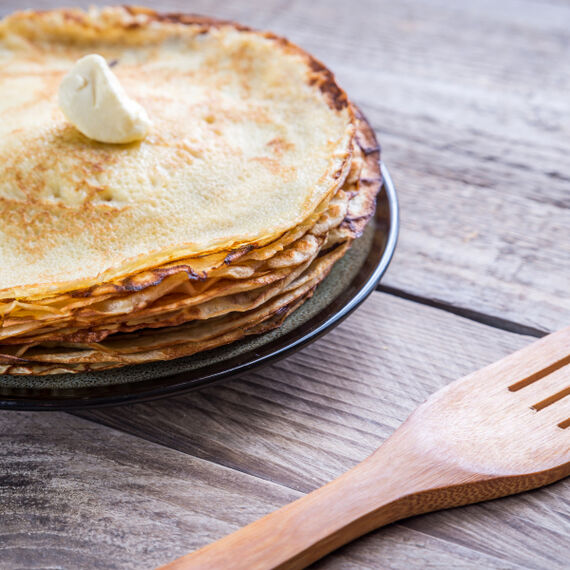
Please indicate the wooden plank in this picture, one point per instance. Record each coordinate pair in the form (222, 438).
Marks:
(305, 420)
(74, 494)
(77, 495)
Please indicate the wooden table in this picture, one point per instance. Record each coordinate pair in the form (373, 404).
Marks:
(471, 101)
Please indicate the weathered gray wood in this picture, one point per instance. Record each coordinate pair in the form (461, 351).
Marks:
(471, 105)
(77, 495)
(307, 419)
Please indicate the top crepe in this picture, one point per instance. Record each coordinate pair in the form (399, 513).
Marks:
(250, 136)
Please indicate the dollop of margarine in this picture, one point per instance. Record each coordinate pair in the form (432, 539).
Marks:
(94, 101)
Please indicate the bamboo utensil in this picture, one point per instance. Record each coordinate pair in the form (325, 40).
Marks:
(499, 431)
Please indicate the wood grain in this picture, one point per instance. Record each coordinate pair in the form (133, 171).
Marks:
(77, 495)
(305, 420)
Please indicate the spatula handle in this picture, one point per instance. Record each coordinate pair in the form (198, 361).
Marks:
(374, 493)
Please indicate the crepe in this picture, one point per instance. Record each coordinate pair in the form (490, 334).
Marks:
(280, 175)
(249, 136)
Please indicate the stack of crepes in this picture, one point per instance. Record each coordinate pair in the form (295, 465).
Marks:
(257, 175)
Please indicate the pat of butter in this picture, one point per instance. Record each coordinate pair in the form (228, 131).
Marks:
(94, 101)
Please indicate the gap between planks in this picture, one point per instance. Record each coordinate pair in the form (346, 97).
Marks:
(469, 314)
(310, 361)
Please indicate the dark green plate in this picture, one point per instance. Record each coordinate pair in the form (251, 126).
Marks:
(351, 280)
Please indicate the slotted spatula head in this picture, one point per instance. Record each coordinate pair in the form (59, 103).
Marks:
(511, 418)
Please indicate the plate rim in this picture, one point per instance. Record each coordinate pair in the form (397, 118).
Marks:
(79, 398)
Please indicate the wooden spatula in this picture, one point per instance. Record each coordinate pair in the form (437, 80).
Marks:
(499, 431)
